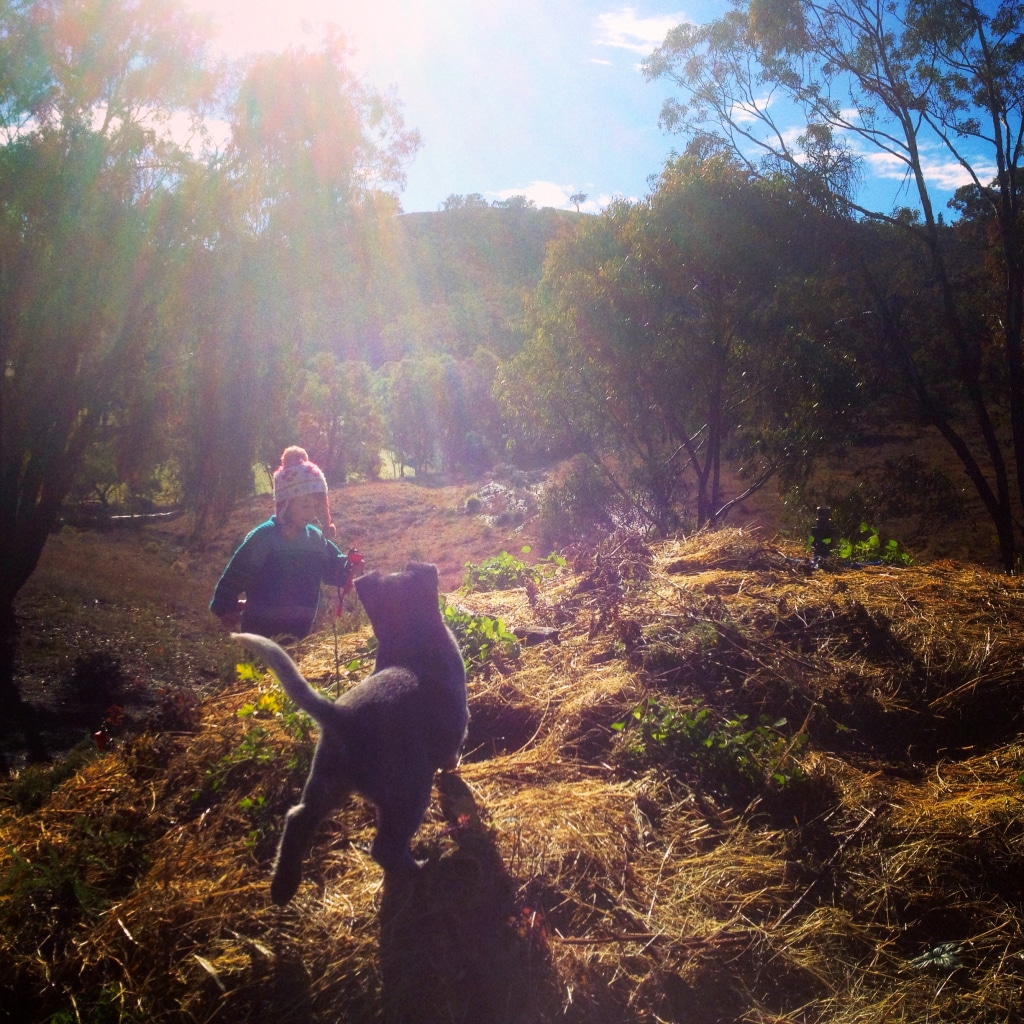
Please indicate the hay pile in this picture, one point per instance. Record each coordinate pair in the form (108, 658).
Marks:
(726, 788)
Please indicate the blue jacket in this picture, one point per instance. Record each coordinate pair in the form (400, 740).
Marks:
(280, 579)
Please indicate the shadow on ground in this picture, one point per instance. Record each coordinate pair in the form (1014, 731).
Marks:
(452, 942)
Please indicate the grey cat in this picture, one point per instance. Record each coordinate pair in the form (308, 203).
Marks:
(386, 736)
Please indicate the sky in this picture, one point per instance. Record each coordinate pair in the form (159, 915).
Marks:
(542, 98)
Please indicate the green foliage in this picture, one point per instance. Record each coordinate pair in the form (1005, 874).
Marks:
(652, 320)
(499, 572)
(454, 279)
(272, 704)
(728, 757)
(901, 488)
(48, 896)
(505, 571)
(55, 883)
(868, 546)
(481, 638)
(916, 78)
(261, 817)
(254, 750)
(581, 503)
(335, 408)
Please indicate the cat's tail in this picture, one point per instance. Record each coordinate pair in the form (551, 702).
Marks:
(319, 708)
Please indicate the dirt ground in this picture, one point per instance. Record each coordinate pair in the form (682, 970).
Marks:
(118, 618)
(115, 621)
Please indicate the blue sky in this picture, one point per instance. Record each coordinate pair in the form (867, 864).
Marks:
(541, 98)
(533, 97)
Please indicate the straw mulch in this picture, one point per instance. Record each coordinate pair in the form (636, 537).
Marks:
(871, 873)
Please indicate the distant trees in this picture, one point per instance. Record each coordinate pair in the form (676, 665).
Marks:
(514, 203)
(661, 343)
(156, 298)
(335, 410)
(473, 201)
(293, 225)
(439, 413)
(899, 81)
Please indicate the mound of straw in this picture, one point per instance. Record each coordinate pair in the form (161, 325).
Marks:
(575, 873)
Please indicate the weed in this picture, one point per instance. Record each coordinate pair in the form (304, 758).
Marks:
(52, 887)
(868, 547)
(499, 572)
(271, 704)
(262, 820)
(481, 638)
(505, 571)
(727, 757)
(46, 895)
(255, 749)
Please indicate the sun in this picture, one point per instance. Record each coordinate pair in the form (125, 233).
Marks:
(243, 27)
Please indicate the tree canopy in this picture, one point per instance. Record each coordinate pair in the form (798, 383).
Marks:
(144, 277)
(892, 82)
(671, 332)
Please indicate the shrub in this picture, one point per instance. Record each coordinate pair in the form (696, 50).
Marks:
(504, 571)
(481, 638)
(577, 507)
(725, 756)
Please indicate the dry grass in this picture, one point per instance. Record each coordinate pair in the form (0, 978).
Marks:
(572, 876)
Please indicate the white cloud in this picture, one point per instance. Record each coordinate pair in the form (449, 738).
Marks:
(550, 193)
(943, 173)
(626, 30)
(748, 113)
(543, 193)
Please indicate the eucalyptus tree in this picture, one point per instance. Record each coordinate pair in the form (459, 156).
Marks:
(298, 207)
(334, 409)
(87, 243)
(317, 158)
(672, 334)
(923, 88)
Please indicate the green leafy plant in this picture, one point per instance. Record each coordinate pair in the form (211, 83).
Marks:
(272, 704)
(481, 638)
(254, 749)
(505, 571)
(499, 572)
(726, 756)
(248, 672)
(868, 547)
(258, 810)
(32, 786)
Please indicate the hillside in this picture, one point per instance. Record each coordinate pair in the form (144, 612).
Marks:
(620, 842)
(454, 280)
